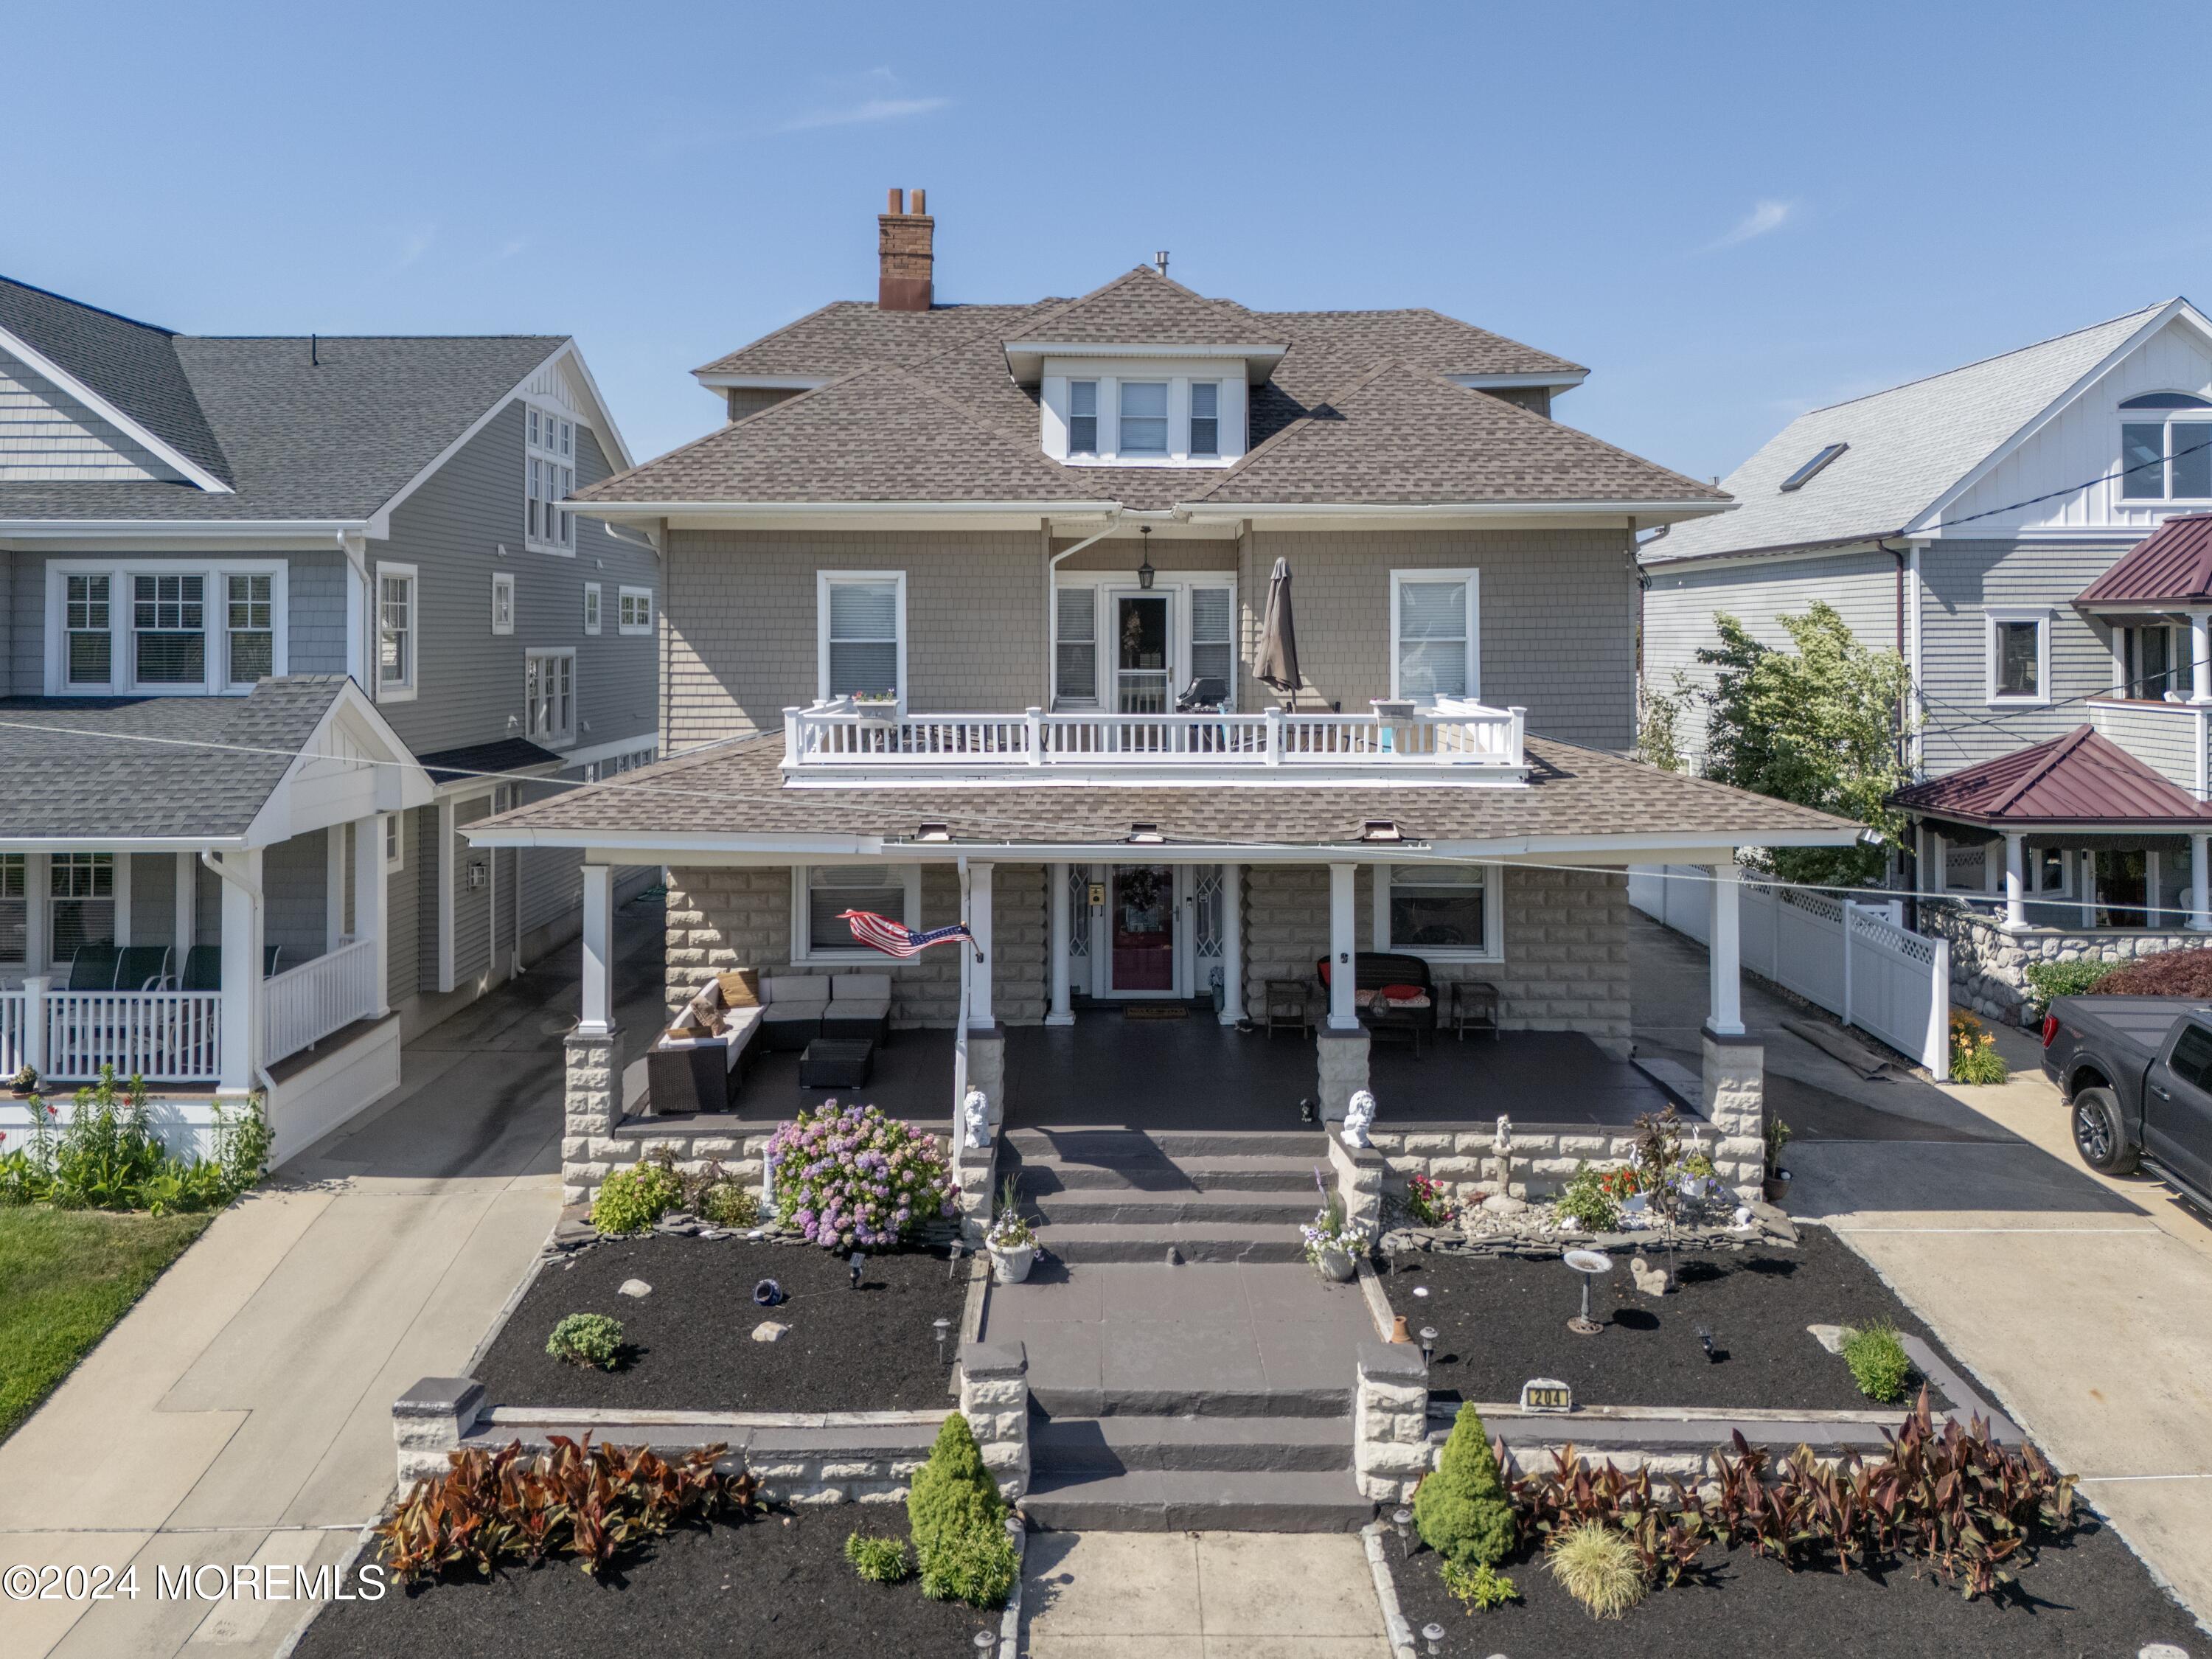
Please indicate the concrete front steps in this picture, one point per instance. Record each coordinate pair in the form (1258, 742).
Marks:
(1197, 1500)
(1130, 1196)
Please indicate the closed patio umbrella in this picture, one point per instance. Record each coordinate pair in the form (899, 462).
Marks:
(1277, 662)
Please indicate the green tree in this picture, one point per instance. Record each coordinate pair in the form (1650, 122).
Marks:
(1659, 724)
(1462, 1511)
(1822, 726)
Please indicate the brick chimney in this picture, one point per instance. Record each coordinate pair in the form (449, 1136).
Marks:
(903, 254)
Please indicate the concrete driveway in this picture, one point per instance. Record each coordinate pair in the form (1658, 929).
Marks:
(2079, 1299)
(240, 1413)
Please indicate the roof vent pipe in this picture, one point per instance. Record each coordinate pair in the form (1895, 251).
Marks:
(1161, 260)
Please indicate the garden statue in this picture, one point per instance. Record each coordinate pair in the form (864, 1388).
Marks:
(1358, 1114)
(975, 1111)
(1501, 1147)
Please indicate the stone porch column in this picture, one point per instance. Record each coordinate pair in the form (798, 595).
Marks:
(1735, 1105)
(994, 1398)
(1062, 1011)
(1723, 950)
(592, 1106)
(2015, 882)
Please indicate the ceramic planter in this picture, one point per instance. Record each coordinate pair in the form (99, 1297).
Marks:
(1775, 1188)
(1012, 1266)
(1334, 1265)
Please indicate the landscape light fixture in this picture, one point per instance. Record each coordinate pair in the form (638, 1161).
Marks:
(1428, 1344)
(1706, 1342)
(859, 1258)
(1434, 1636)
(942, 1328)
(1590, 1264)
(984, 1642)
(1402, 1518)
(952, 1256)
(1144, 571)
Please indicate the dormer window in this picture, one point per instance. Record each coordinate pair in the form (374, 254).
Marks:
(1144, 417)
(1205, 419)
(1082, 417)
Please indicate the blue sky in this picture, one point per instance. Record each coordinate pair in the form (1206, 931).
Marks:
(1730, 214)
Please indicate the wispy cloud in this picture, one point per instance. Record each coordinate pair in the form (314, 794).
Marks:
(867, 110)
(1765, 217)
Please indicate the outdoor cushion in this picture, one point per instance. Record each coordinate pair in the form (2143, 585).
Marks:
(794, 991)
(860, 987)
(740, 987)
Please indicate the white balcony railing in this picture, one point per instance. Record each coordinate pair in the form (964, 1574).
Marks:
(1460, 741)
(306, 1003)
(174, 1036)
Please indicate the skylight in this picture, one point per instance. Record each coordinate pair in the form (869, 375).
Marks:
(1803, 475)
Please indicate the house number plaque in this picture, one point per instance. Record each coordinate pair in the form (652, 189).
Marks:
(1547, 1394)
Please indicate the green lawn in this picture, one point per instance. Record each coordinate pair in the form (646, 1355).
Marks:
(66, 1277)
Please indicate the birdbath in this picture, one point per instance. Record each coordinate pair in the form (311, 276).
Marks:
(1590, 1264)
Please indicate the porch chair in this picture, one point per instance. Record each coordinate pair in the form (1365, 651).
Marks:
(142, 968)
(204, 966)
(93, 968)
(1375, 971)
(859, 1007)
(795, 1006)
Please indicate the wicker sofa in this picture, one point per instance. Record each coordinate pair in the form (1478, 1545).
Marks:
(697, 1065)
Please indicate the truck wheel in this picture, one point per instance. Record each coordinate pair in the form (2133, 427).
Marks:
(2100, 1135)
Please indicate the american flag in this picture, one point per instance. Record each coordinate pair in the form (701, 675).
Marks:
(894, 939)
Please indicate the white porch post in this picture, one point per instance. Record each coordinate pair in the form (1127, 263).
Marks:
(979, 1012)
(2200, 869)
(186, 920)
(1939, 864)
(2015, 881)
(1232, 944)
(1343, 943)
(599, 1002)
(368, 906)
(2200, 656)
(1062, 1011)
(334, 878)
(1723, 952)
(241, 971)
(2086, 888)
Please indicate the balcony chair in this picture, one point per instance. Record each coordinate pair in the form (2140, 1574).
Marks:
(142, 968)
(1203, 696)
(93, 968)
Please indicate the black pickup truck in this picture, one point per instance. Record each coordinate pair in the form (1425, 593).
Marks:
(2137, 1073)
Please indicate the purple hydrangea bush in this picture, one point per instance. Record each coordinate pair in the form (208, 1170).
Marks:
(848, 1177)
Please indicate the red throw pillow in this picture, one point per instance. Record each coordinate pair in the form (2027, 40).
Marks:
(1403, 993)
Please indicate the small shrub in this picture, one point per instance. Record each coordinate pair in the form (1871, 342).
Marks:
(978, 1568)
(730, 1204)
(1428, 1202)
(1462, 1510)
(1974, 1057)
(586, 1340)
(1479, 1588)
(2167, 974)
(878, 1560)
(1588, 1201)
(1878, 1362)
(2067, 979)
(959, 1522)
(1596, 1564)
(630, 1201)
(108, 1156)
(850, 1176)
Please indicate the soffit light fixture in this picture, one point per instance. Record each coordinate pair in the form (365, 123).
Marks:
(1145, 571)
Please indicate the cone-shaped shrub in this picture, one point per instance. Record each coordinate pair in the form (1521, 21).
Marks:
(959, 1522)
(1462, 1510)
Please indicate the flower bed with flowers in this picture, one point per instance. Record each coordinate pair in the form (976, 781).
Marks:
(850, 1178)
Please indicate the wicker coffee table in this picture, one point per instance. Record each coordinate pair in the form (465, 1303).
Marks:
(837, 1063)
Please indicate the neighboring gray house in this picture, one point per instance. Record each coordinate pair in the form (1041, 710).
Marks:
(1994, 524)
(343, 554)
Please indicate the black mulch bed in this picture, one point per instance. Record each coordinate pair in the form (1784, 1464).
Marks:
(778, 1586)
(2088, 1594)
(1501, 1320)
(689, 1344)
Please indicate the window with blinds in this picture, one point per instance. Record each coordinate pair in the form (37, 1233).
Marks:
(1433, 650)
(889, 889)
(1213, 638)
(169, 629)
(249, 631)
(81, 901)
(1075, 646)
(860, 622)
(15, 908)
(91, 646)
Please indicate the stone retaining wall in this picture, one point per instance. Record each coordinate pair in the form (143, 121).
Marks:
(1988, 966)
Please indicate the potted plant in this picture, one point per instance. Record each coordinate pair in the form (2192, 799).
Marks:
(24, 1084)
(875, 705)
(1776, 1186)
(1011, 1241)
(1333, 1244)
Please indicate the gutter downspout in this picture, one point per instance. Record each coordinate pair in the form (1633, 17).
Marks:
(251, 890)
(1051, 594)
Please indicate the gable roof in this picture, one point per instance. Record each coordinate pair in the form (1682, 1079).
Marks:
(2083, 777)
(1142, 307)
(2172, 565)
(1910, 447)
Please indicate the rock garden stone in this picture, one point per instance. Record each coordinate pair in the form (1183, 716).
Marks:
(1830, 1337)
(633, 1287)
(770, 1331)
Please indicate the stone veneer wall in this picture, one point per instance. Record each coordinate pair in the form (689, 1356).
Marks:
(721, 918)
(1566, 944)
(1988, 966)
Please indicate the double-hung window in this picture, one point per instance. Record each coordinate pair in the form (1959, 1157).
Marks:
(2166, 447)
(168, 622)
(1214, 637)
(822, 892)
(590, 607)
(2019, 650)
(549, 692)
(81, 901)
(395, 632)
(249, 631)
(1433, 634)
(862, 642)
(1144, 419)
(1075, 646)
(549, 464)
(503, 602)
(1205, 419)
(15, 908)
(395, 841)
(1444, 912)
(636, 612)
(89, 660)
(1082, 417)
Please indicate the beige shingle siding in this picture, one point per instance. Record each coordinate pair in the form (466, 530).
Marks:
(1961, 582)
(1681, 604)
(48, 436)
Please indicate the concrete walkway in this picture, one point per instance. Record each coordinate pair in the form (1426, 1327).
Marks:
(2079, 1299)
(1199, 1596)
(240, 1413)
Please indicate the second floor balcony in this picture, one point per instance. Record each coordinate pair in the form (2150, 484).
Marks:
(845, 742)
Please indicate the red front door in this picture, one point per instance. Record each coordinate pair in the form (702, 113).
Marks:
(1140, 914)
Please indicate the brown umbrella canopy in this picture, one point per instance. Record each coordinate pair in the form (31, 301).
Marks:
(1278, 661)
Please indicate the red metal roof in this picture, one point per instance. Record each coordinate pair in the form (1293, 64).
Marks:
(2172, 565)
(2081, 778)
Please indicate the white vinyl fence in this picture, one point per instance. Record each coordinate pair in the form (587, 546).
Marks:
(1852, 959)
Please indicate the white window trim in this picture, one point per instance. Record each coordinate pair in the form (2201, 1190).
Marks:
(823, 581)
(214, 616)
(392, 826)
(1493, 922)
(628, 593)
(802, 951)
(2165, 420)
(1232, 410)
(1473, 577)
(551, 455)
(502, 588)
(397, 690)
(1107, 586)
(1991, 655)
(594, 607)
(567, 737)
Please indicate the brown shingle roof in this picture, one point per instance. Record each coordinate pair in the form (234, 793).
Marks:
(847, 333)
(2082, 778)
(1142, 307)
(738, 790)
(2172, 565)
